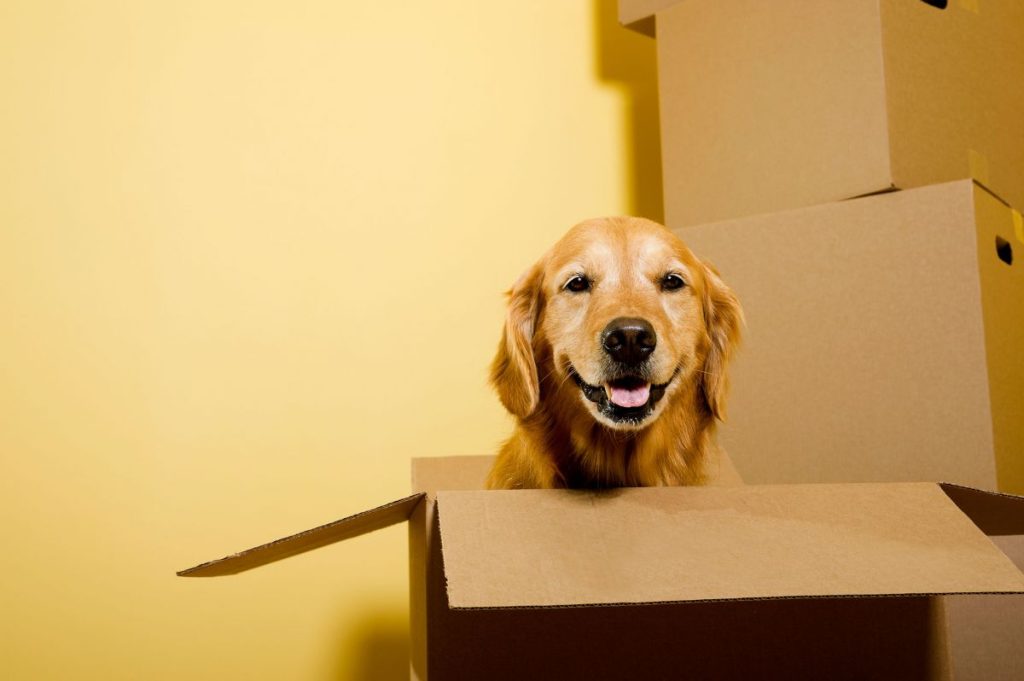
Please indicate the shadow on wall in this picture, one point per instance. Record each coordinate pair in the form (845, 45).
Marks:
(377, 647)
(628, 60)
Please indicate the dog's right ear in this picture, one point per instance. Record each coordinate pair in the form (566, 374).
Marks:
(514, 369)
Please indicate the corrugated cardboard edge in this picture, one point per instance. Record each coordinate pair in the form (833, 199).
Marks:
(995, 513)
(352, 526)
(811, 597)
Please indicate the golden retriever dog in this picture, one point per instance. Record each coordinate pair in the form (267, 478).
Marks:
(613, 360)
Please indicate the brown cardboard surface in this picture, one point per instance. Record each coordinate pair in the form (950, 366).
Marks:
(431, 620)
(1012, 545)
(767, 106)
(542, 548)
(430, 474)
(779, 639)
(953, 90)
(986, 635)
(1002, 303)
(882, 340)
(427, 611)
(720, 470)
(367, 521)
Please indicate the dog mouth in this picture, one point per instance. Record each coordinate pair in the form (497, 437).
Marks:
(627, 399)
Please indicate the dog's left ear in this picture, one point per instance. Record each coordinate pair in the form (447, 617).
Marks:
(514, 369)
(724, 318)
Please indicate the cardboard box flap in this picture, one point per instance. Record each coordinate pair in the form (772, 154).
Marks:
(361, 523)
(995, 513)
(549, 548)
(432, 473)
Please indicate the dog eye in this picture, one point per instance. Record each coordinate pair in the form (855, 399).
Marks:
(577, 284)
(672, 282)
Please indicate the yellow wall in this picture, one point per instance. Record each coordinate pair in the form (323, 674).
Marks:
(251, 261)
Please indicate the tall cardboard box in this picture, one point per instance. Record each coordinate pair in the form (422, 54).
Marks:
(773, 105)
(768, 582)
(884, 339)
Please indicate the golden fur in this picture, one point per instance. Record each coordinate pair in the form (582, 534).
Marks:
(562, 439)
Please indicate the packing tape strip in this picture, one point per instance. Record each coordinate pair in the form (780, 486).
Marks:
(1018, 224)
(971, 5)
(978, 165)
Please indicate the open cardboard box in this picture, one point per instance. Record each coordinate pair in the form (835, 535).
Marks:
(773, 105)
(884, 339)
(799, 581)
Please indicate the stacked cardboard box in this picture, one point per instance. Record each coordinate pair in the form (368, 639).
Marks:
(884, 333)
(884, 339)
(774, 105)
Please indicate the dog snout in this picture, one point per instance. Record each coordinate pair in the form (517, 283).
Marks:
(629, 340)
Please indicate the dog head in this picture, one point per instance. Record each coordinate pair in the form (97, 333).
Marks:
(616, 320)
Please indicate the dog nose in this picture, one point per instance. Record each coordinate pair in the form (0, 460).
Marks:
(629, 340)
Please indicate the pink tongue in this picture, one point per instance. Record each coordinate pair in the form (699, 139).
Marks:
(630, 397)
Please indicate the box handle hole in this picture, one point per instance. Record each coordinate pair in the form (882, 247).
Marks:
(941, 4)
(1004, 250)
